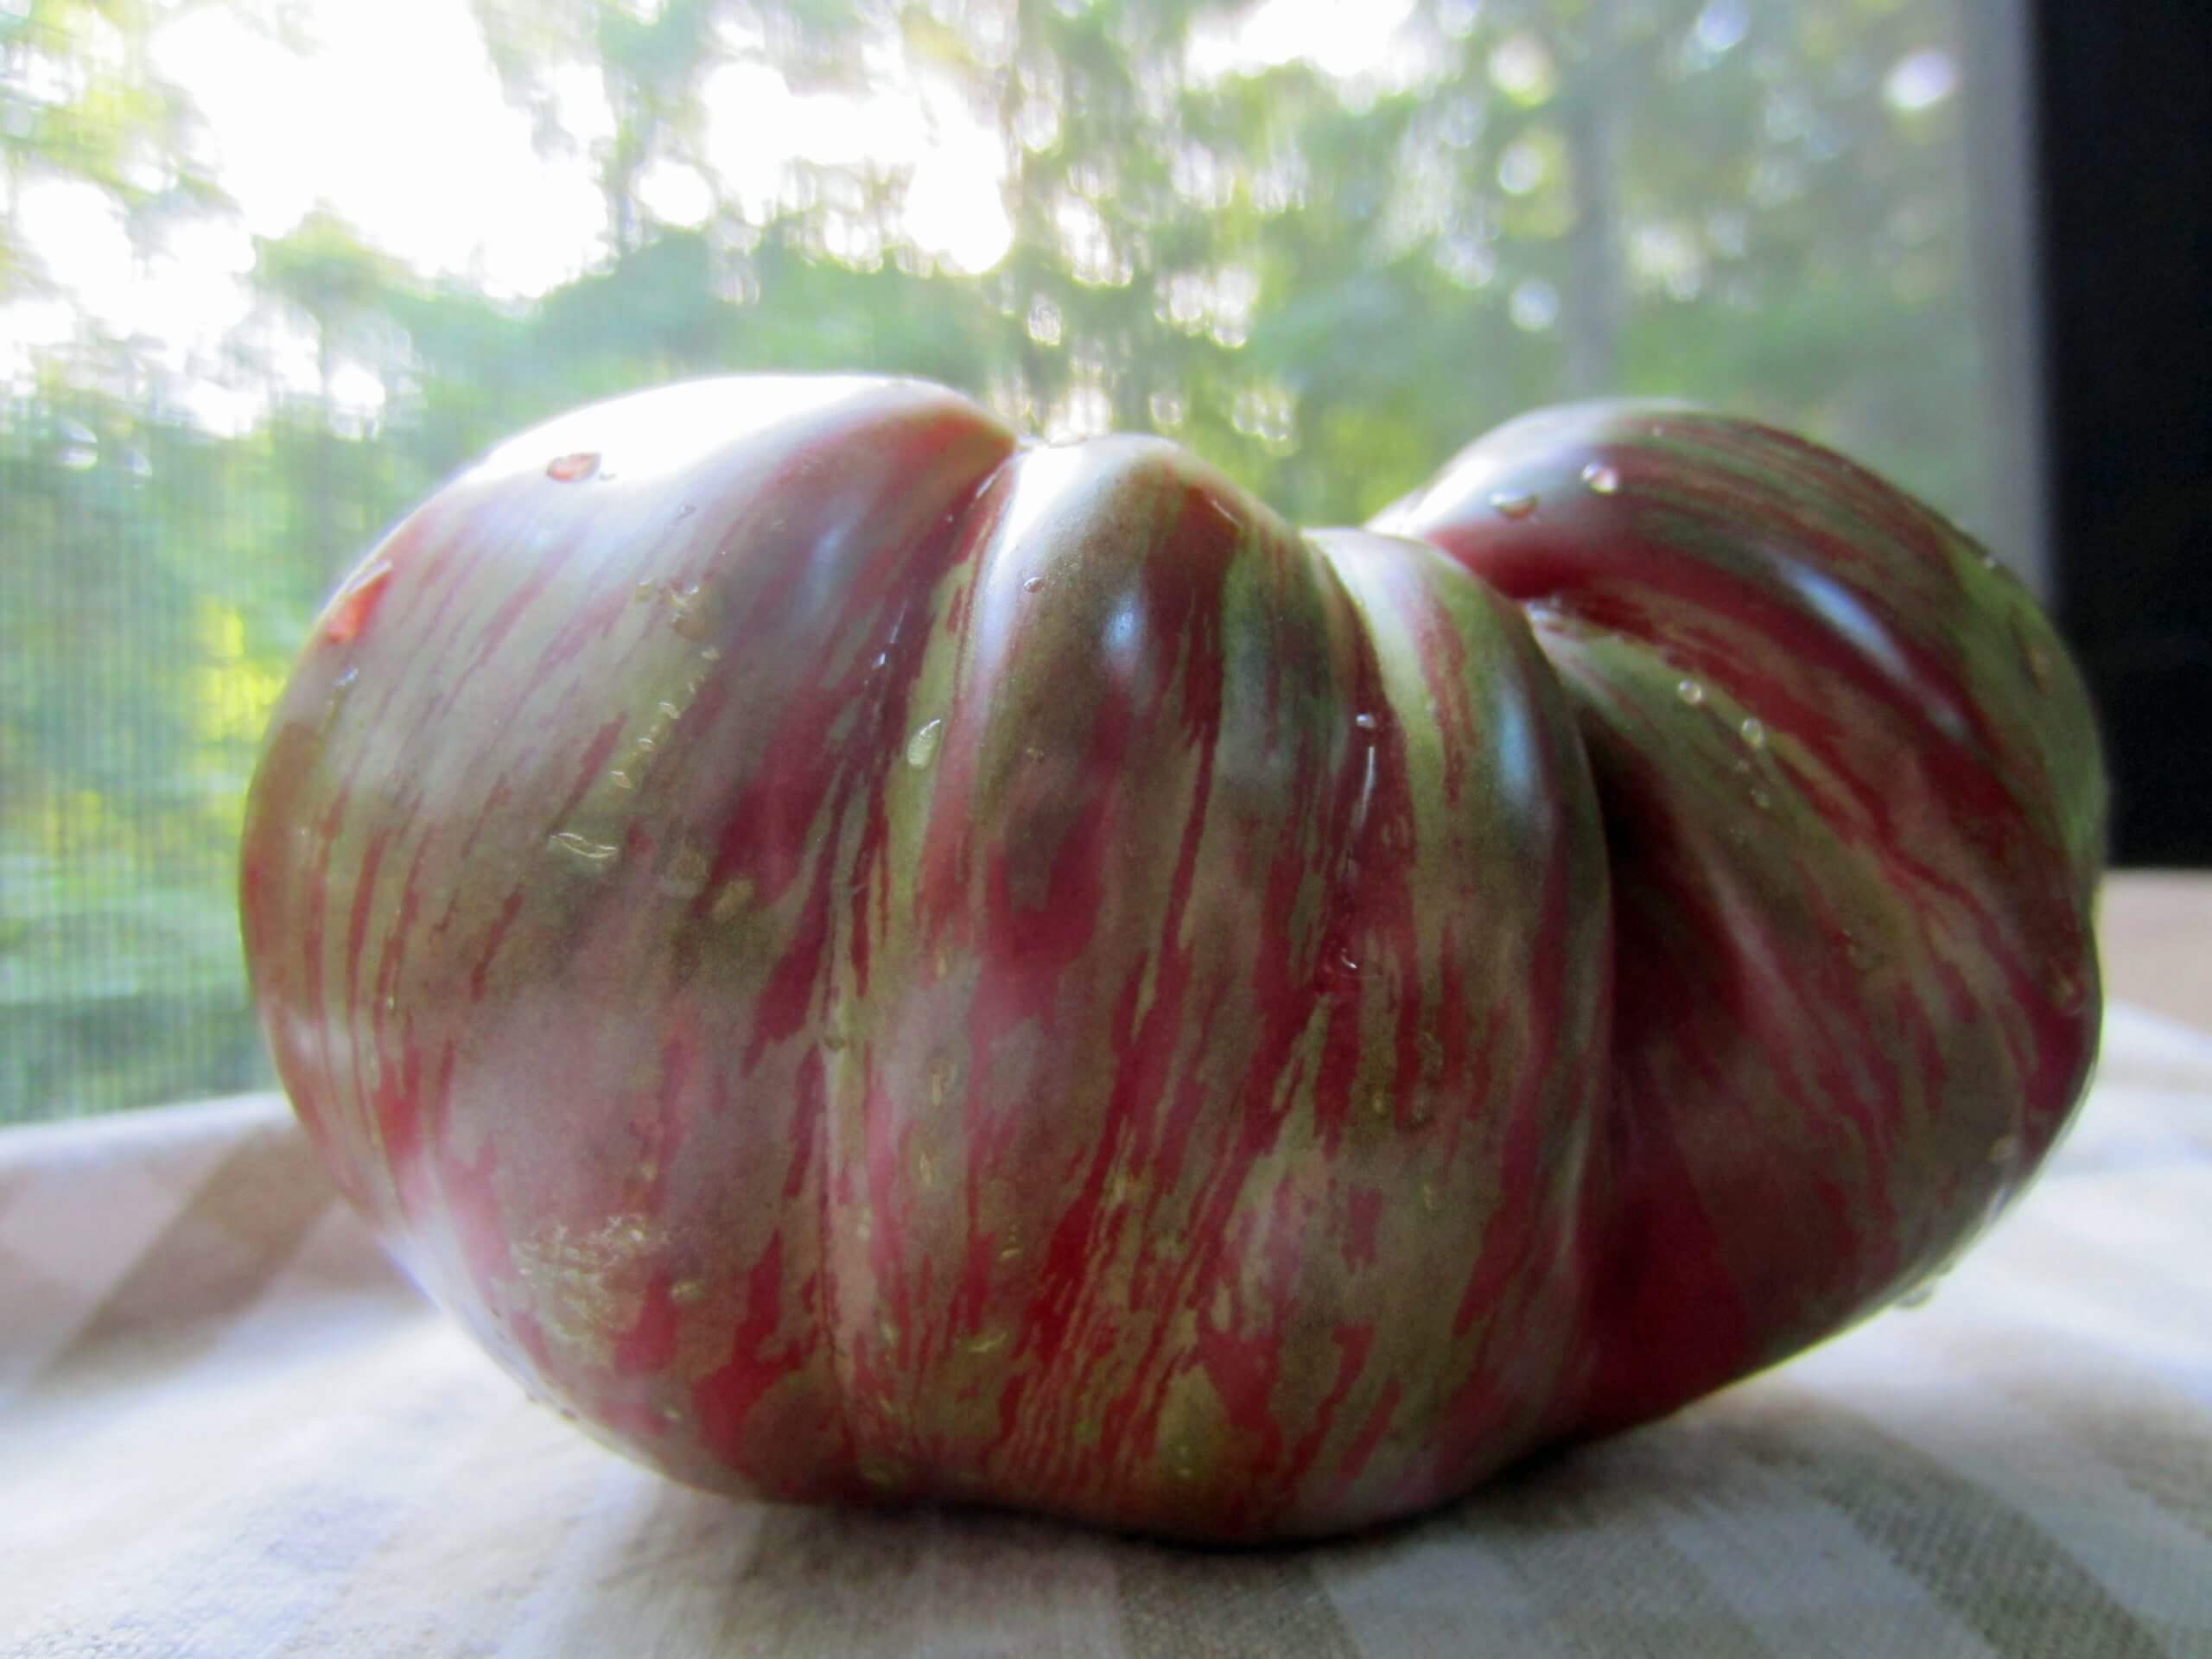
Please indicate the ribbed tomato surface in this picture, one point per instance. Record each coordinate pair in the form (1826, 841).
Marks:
(872, 960)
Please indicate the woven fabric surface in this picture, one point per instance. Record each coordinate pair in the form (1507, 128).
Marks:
(229, 1428)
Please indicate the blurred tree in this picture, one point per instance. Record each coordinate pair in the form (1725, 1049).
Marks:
(1323, 259)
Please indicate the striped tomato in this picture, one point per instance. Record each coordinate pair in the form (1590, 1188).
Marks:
(870, 959)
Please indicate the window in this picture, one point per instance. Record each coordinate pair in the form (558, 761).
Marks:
(267, 272)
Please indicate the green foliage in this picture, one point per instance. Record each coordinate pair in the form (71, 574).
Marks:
(1324, 283)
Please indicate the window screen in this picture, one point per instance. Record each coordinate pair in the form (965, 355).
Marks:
(268, 270)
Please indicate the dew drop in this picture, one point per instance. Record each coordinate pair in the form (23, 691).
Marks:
(686, 1293)
(571, 469)
(1034, 585)
(1754, 732)
(595, 855)
(1919, 1296)
(643, 592)
(1348, 962)
(689, 612)
(351, 610)
(1690, 692)
(881, 657)
(1366, 722)
(1762, 800)
(921, 748)
(1514, 506)
(1601, 479)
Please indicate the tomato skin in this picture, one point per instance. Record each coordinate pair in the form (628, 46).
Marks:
(1854, 815)
(873, 960)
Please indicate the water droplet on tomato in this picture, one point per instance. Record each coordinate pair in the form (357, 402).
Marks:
(1349, 962)
(1034, 585)
(594, 856)
(356, 603)
(921, 748)
(1513, 505)
(1754, 732)
(1919, 1296)
(1601, 479)
(1366, 722)
(1762, 800)
(1690, 692)
(689, 611)
(643, 592)
(570, 469)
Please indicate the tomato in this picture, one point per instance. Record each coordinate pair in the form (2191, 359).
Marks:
(873, 960)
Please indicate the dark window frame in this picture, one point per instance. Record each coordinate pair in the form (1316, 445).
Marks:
(2118, 108)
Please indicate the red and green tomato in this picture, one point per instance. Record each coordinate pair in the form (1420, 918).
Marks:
(873, 960)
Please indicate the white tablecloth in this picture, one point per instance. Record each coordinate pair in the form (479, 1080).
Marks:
(228, 1428)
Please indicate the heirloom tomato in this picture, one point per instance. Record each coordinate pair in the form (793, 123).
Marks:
(870, 959)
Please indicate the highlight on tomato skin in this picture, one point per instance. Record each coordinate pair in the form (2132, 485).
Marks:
(874, 961)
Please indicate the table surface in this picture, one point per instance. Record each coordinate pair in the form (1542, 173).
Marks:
(2155, 930)
(228, 1428)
